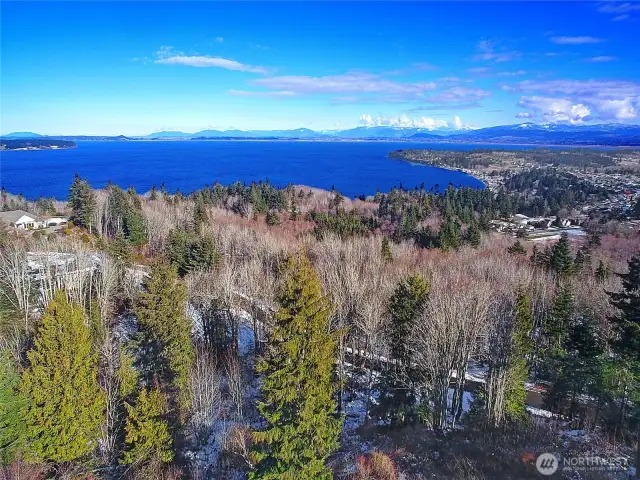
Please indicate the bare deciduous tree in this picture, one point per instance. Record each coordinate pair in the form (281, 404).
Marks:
(447, 333)
(18, 285)
(206, 398)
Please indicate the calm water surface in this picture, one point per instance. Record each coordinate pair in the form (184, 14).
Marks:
(353, 168)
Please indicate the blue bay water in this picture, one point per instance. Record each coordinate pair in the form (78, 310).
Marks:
(354, 168)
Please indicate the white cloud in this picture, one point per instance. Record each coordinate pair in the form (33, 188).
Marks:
(479, 70)
(619, 18)
(525, 115)
(602, 58)
(556, 110)
(169, 56)
(581, 40)
(614, 7)
(404, 121)
(352, 82)
(204, 61)
(575, 101)
(489, 52)
(458, 94)
(516, 73)
(618, 109)
(425, 66)
(609, 89)
(275, 94)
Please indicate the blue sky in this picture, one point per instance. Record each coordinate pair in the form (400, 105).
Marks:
(135, 68)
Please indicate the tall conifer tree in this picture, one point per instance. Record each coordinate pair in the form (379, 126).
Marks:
(64, 402)
(167, 332)
(298, 391)
(82, 202)
(11, 402)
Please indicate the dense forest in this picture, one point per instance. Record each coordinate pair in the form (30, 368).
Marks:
(482, 157)
(250, 331)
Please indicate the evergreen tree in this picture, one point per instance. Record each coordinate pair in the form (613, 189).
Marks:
(405, 305)
(578, 371)
(522, 348)
(200, 215)
(535, 256)
(626, 324)
(11, 402)
(82, 203)
(121, 249)
(147, 437)
(187, 251)
(272, 218)
(602, 272)
(593, 240)
(386, 250)
(64, 402)
(517, 249)
(449, 235)
(166, 334)
(557, 324)
(298, 390)
(582, 263)
(561, 260)
(293, 211)
(473, 235)
(545, 257)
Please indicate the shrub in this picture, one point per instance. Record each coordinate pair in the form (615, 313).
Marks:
(376, 466)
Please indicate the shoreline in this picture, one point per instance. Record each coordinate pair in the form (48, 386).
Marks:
(481, 177)
(35, 149)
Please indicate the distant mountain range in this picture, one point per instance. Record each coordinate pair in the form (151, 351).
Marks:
(22, 135)
(525, 133)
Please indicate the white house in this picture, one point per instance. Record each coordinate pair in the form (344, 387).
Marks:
(21, 219)
(54, 220)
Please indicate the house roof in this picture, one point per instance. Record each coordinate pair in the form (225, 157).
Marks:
(12, 216)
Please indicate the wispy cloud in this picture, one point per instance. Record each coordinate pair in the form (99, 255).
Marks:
(459, 95)
(619, 8)
(602, 58)
(619, 11)
(600, 88)
(449, 106)
(581, 40)
(516, 73)
(352, 82)
(219, 40)
(479, 70)
(425, 66)
(169, 56)
(489, 51)
(247, 93)
(205, 61)
(525, 115)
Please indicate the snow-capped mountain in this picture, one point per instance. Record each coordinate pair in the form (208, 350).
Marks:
(524, 133)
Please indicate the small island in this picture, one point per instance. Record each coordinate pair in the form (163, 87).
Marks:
(35, 144)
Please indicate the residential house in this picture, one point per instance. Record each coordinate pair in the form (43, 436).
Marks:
(21, 219)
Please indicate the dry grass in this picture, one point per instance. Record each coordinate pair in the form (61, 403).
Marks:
(375, 466)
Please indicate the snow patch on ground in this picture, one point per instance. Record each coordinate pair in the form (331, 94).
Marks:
(539, 412)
